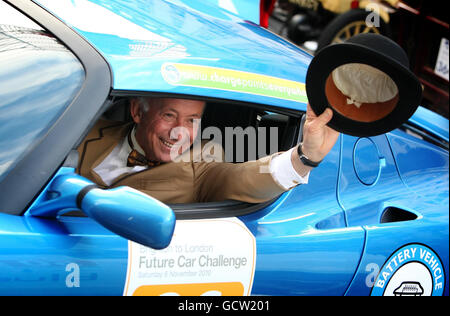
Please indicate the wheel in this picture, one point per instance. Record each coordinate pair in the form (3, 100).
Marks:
(300, 28)
(349, 24)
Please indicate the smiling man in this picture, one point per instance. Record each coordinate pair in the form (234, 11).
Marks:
(143, 156)
(162, 124)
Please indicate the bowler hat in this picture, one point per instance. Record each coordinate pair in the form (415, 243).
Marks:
(367, 83)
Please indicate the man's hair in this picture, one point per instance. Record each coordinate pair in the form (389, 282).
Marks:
(146, 102)
(143, 103)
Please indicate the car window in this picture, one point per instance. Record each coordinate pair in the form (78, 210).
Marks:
(254, 132)
(39, 78)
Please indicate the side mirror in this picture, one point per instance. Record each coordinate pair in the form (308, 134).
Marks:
(123, 210)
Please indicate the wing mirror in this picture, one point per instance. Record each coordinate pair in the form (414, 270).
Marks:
(125, 211)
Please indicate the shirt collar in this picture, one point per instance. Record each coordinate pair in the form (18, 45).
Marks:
(134, 141)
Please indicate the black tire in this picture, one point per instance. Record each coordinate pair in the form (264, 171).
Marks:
(345, 21)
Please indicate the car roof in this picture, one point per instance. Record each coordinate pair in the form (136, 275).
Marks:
(189, 47)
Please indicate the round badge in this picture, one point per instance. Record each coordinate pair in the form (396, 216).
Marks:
(170, 73)
(413, 270)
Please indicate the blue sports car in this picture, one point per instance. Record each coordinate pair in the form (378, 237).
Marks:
(373, 219)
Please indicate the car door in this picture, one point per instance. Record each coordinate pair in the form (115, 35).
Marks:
(60, 256)
(401, 202)
(304, 245)
(296, 244)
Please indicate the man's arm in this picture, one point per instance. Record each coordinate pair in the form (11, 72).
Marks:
(251, 181)
(318, 140)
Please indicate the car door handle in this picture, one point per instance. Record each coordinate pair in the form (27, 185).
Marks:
(393, 214)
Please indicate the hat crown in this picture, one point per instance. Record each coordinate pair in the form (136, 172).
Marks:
(382, 45)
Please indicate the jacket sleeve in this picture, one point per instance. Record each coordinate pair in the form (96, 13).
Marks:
(249, 181)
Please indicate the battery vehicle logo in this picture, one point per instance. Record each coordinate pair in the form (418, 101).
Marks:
(409, 288)
(412, 270)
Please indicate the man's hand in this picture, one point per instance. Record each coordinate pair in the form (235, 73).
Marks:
(318, 139)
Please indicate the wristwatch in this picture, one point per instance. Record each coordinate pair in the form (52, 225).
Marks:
(305, 160)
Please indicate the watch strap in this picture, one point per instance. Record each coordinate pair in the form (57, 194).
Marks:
(305, 160)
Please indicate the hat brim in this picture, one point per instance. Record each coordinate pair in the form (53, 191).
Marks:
(333, 56)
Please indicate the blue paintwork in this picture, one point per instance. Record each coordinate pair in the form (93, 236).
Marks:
(131, 214)
(246, 9)
(44, 196)
(60, 195)
(324, 238)
(123, 210)
(367, 161)
(417, 163)
(137, 42)
(177, 33)
(35, 253)
(303, 244)
(426, 196)
(431, 122)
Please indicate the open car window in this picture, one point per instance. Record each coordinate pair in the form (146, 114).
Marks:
(245, 132)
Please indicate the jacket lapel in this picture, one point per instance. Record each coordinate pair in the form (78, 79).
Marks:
(99, 143)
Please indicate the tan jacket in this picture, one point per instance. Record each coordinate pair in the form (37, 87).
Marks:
(180, 182)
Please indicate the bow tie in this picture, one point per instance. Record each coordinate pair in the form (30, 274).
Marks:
(135, 158)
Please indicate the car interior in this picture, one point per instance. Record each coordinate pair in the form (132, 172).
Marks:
(222, 114)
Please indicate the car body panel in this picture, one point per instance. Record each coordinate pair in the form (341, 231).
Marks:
(383, 240)
(303, 244)
(417, 211)
(432, 122)
(65, 256)
(300, 242)
(366, 206)
(246, 9)
(421, 163)
(137, 43)
(129, 48)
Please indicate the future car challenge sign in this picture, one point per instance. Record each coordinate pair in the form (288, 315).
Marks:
(413, 270)
(205, 257)
(233, 80)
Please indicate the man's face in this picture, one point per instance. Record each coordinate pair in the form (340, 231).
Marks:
(168, 127)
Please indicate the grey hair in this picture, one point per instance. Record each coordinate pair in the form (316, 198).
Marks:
(143, 104)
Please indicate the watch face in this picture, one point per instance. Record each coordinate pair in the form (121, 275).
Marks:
(369, 92)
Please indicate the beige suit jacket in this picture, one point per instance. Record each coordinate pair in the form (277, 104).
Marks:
(180, 182)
